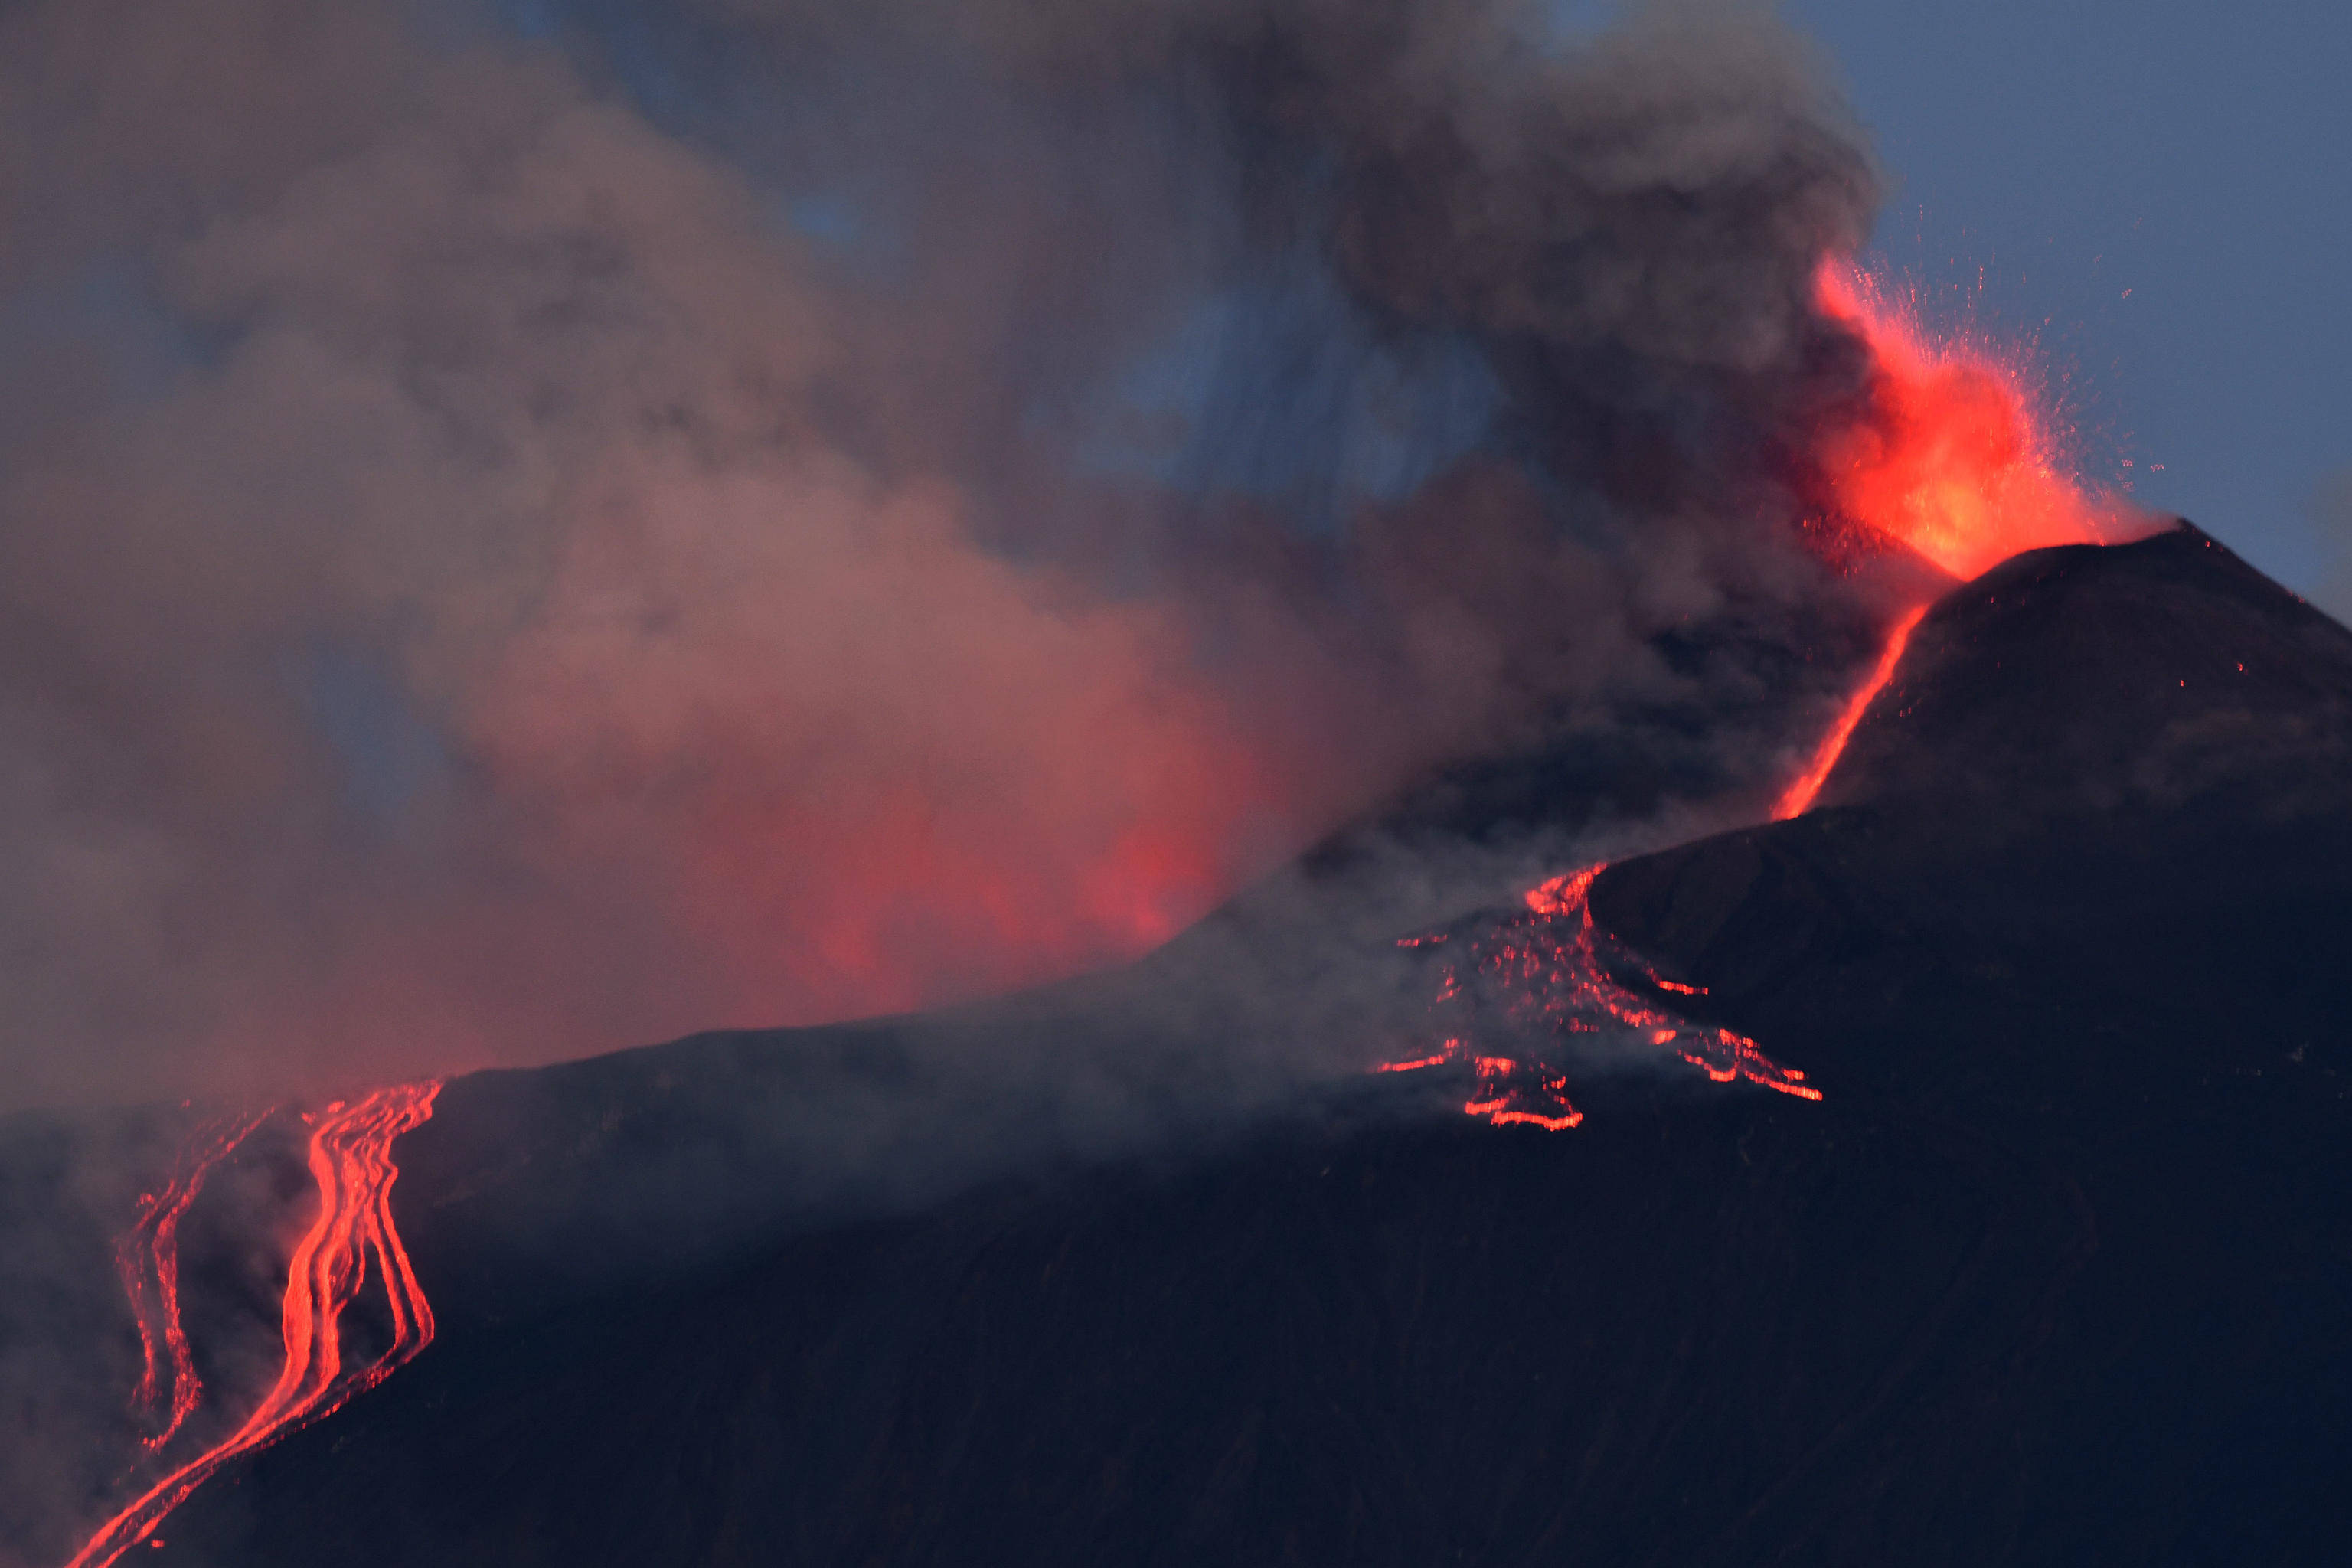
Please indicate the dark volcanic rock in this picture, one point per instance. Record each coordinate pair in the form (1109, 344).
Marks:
(2115, 778)
(2149, 676)
(2059, 1272)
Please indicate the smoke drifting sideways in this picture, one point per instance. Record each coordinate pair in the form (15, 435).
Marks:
(526, 529)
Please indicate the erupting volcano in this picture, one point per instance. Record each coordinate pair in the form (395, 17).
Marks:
(1250, 669)
(350, 1162)
(1953, 461)
(1950, 459)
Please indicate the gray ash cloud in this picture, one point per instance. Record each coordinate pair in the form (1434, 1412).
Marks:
(526, 529)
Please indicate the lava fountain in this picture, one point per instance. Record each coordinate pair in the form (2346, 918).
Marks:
(1954, 459)
(1952, 455)
(350, 1162)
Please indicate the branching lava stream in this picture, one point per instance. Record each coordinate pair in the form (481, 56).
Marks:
(148, 1259)
(351, 1162)
(1539, 976)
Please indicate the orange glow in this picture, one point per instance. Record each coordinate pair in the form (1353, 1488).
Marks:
(1541, 974)
(1799, 797)
(1954, 459)
(148, 1259)
(1564, 895)
(1549, 1123)
(351, 1162)
(1416, 1064)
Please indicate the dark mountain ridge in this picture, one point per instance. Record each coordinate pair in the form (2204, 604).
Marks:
(2060, 1270)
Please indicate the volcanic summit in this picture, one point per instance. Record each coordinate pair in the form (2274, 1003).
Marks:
(2055, 1270)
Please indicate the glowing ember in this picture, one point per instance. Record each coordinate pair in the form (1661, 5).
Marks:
(1954, 459)
(350, 1160)
(148, 1259)
(1539, 977)
(1799, 797)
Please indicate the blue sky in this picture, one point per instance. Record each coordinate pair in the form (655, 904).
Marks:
(2199, 156)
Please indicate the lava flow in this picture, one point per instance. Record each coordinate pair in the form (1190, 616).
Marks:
(1540, 977)
(350, 1160)
(148, 1259)
(1798, 799)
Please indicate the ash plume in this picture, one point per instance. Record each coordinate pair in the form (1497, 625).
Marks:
(525, 529)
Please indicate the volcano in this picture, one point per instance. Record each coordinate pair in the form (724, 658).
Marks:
(2057, 1268)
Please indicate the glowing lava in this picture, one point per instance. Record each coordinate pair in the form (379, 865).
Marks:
(1953, 458)
(148, 1259)
(1539, 977)
(350, 1160)
(1799, 797)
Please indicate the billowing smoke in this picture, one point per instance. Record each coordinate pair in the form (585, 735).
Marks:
(525, 529)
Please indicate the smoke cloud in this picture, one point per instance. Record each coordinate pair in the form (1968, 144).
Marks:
(529, 528)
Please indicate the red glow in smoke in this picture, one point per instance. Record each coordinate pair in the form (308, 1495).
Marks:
(351, 1162)
(904, 901)
(1954, 459)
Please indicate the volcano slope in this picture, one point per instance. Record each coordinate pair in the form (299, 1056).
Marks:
(2060, 1270)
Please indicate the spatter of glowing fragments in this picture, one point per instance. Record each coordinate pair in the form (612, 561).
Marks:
(1957, 456)
(1539, 976)
(350, 1160)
